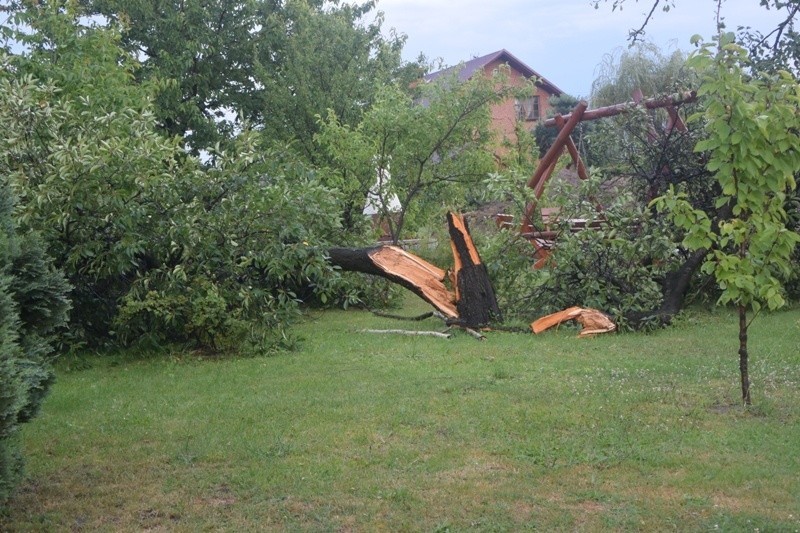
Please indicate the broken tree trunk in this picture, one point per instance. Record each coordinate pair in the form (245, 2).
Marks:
(395, 264)
(473, 303)
(674, 288)
(475, 298)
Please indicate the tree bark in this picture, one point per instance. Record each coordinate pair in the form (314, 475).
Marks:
(674, 288)
(395, 264)
(743, 366)
(475, 298)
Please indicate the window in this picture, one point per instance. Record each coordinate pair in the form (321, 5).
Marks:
(527, 109)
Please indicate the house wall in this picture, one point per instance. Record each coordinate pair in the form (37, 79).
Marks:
(504, 114)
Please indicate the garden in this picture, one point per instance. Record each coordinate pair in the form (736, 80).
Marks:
(352, 432)
(198, 330)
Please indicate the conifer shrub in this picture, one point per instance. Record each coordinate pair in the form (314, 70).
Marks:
(33, 306)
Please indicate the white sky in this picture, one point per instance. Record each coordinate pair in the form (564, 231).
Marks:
(563, 40)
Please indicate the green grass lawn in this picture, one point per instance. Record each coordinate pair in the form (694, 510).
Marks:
(364, 432)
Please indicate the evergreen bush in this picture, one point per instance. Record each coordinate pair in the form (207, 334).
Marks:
(33, 305)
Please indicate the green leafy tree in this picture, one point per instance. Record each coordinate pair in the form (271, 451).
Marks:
(753, 128)
(200, 53)
(272, 64)
(80, 144)
(330, 60)
(33, 306)
(245, 244)
(426, 152)
(156, 245)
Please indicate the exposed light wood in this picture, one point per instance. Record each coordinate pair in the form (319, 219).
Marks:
(592, 321)
(419, 273)
(471, 303)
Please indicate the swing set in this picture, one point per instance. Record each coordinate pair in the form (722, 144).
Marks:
(543, 239)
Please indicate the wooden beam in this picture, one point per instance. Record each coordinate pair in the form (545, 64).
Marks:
(618, 109)
(552, 154)
(547, 163)
(573, 151)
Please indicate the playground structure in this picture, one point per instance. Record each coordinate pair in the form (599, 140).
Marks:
(543, 238)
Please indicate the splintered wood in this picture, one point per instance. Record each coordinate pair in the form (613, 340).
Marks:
(470, 304)
(592, 321)
(475, 298)
(428, 278)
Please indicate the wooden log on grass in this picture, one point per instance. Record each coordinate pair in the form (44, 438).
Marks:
(592, 321)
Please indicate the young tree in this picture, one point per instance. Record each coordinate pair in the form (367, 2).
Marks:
(752, 122)
(431, 148)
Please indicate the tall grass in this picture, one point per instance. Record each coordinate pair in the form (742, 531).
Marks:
(363, 432)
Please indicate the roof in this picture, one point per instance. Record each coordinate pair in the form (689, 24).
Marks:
(468, 69)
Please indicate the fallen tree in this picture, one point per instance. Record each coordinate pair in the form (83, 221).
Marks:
(469, 301)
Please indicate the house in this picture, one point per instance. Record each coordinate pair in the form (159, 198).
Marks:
(505, 114)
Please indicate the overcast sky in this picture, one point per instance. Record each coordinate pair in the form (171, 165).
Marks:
(563, 40)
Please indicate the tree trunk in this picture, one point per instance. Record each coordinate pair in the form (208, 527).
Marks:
(472, 304)
(674, 288)
(395, 264)
(743, 370)
(475, 298)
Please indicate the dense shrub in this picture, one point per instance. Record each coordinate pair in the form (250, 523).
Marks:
(156, 243)
(238, 255)
(616, 268)
(82, 151)
(33, 305)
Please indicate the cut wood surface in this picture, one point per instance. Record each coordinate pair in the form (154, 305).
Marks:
(592, 321)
